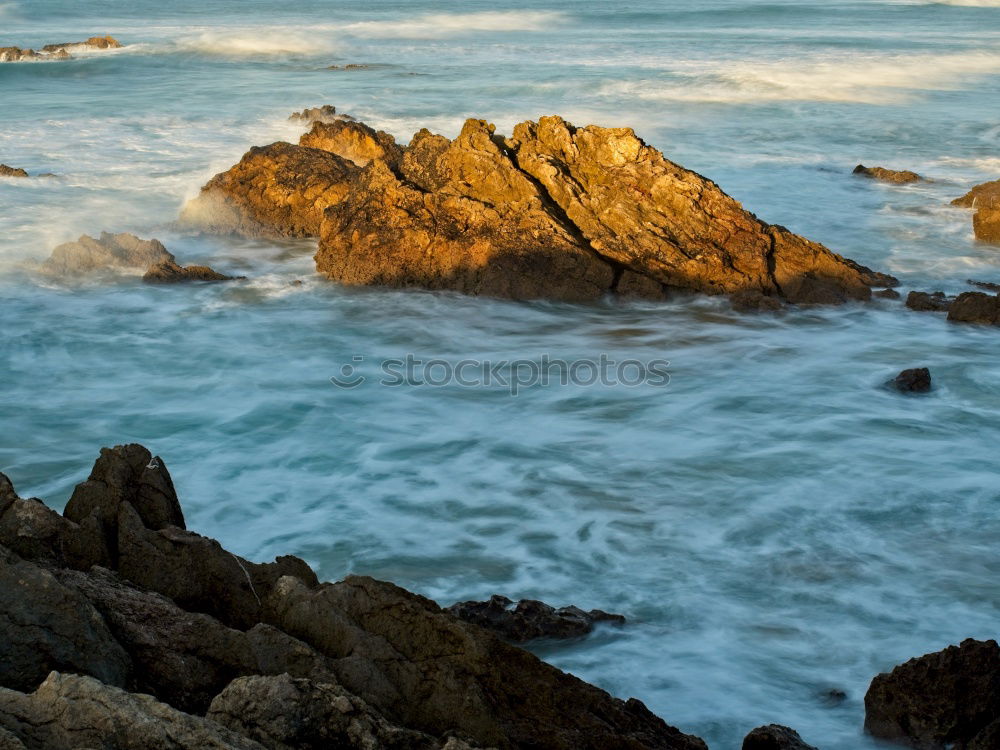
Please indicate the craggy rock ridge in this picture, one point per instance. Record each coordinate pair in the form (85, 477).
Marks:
(56, 51)
(896, 177)
(530, 619)
(6, 171)
(985, 199)
(124, 252)
(949, 699)
(554, 212)
(122, 629)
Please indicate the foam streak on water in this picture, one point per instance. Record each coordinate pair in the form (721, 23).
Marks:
(774, 524)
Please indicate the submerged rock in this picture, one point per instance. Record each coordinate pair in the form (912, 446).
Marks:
(916, 380)
(353, 141)
(169, 272)
(888, 175)
(554, 212)
(6, 171)
(263, 648)
(279, 190)
(109, 251)
(975, 307)
(530, 619)
(775, 737)
(985, 199)
(928, 301)
(942, 700)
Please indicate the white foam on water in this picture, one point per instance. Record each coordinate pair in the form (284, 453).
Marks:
(866, 79)
(260, 42)
(437, 25)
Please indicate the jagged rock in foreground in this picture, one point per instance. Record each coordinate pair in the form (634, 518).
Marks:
(774, 737)
(554, 212)
(117, 589)
(897, 177)
(6, 171)
(124, 252)
(985, 199)
(530, 619)
(279, 190)
(353, 141)
(948, 699)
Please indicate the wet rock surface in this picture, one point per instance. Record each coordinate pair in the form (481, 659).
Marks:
(975, 307)
(554, 212)
(529, 619)
(915, 380)
(928, 301)
(265, 649)
(169, 272)
(896, 177)
(985, 199)
(948, 699)
(775, 737)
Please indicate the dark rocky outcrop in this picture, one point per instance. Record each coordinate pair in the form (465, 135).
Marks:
(886, 294)
(948, 699)
(353, 141)
(553, 212)
(987, 285)
(6, 171)
(279, 190)
(985, 199)
(70, 712)
(118, 590)
(774, 737)
(882, 174)
(109, 251)
(529, 619)
(169, 272)
(928, 301)
(915, 380)
(325, 113)
(975, 307)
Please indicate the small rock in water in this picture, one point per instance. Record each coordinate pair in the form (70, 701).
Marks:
(915, 380)
(530, 619)
(350, 66)
(886, 294)
(833, 696)
(109, 251)
(169, 272)
(975, 307)
(6, 171)
(775, 737)
(882, 174)
(987, 285)
(326, 113)
(928, 301)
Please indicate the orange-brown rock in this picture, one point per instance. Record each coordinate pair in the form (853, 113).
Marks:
(353, 141)
(985, 199)
(461, 216)
(673, 225)
(98, 42)
(6, 171)
(279, 190)
(894, 176)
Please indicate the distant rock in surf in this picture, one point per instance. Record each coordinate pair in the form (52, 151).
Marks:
(124, 252)
(56, 51)
(775, 737)
(530, 619)
(553, 212)
(987, 285)
(888, 175)
(915, 380)
(6, 171)
(349, 66)
(948, 699)
(985, 199)
(326, 113)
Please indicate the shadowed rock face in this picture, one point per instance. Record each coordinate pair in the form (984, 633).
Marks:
(985, 199)
(118, 590)
(279, 190)
(946, 699)
(353, 141)
(530, 619)
(975, 307)
(897, 177)
(775, 737)
(554, 212)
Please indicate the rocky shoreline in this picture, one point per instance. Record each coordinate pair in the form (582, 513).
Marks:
(122, 629)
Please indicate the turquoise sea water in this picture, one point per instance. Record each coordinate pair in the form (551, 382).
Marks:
(774, 524)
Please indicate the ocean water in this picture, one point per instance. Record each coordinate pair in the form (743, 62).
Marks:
(774, 524)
